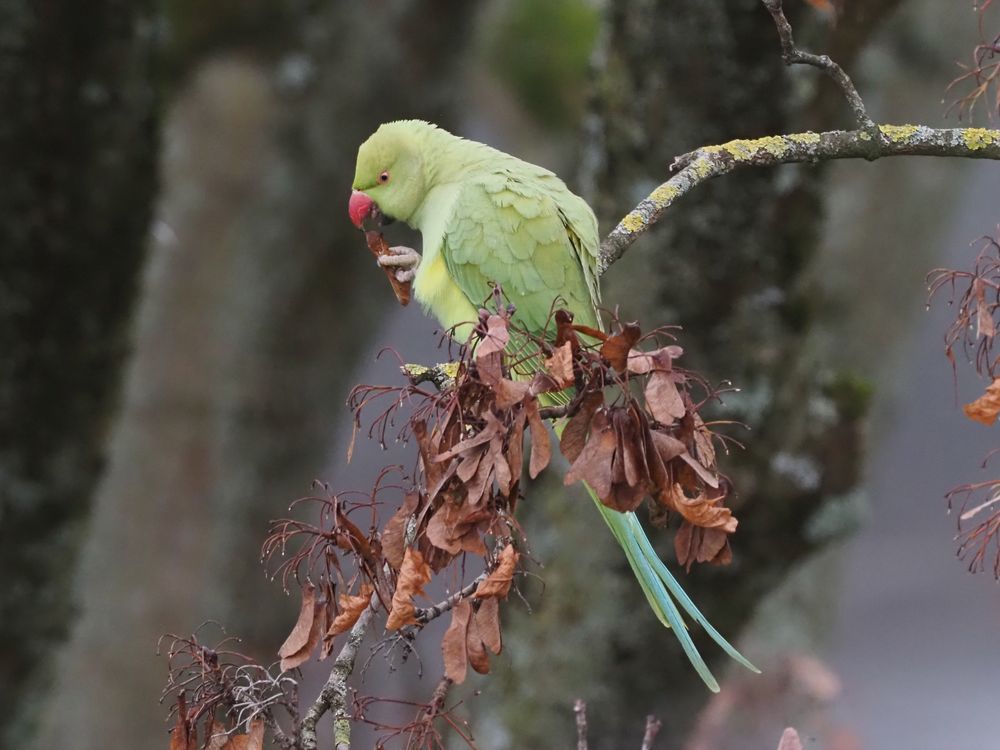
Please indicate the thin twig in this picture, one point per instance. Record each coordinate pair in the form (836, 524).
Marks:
(333, 696)
(439, 696)
(653, 726)
(424, 615)
(792, 55)
(580, 709)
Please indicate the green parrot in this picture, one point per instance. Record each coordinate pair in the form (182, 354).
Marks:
(486, 216)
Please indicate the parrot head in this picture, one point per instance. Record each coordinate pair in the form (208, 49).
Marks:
(389, 173)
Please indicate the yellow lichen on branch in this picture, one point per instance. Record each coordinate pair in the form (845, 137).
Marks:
(713, 161)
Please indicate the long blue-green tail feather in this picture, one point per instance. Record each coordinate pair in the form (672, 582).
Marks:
(656, 581)
(674, 586)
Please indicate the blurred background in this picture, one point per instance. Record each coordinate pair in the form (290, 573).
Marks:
(184, 308)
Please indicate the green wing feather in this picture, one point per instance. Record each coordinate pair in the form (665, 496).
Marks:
(536, 245)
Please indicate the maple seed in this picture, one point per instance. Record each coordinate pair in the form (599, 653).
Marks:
(454, 644)
(307, 631)
(985, 408)
(414, 574)
(351, 608)
(497, 584)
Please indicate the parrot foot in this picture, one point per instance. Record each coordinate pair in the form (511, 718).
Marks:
(404, 259)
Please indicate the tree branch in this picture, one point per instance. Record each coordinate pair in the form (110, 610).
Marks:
(424, 615)
(580, 709)
(869, 141)
(333, 696)
(707, 162)
(653, 726)
(792, 55)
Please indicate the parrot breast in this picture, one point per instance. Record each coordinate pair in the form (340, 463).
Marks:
(433, 286)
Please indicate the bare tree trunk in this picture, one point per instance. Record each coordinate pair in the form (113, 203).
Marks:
(258, 300)
(78, 143)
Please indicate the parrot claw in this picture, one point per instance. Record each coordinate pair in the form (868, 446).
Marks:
(405, 275)
(404, 260)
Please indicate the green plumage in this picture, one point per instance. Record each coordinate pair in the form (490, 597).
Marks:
(486, 216)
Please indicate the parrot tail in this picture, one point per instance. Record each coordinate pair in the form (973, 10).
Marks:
(661, 589)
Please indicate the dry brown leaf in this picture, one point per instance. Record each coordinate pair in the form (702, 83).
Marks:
(184, 735)
(593, 465)
(252, 741)
(488, 621)
(560, 365)
(703, 442)
(510, 392)
(574, 435)
(414, 574)
(307, 631)
(630, 449)
(491, 428)
(394, 535)
(497, 584)
(478, 658)
(479, 486)
(984, 318)
(458, 528)
(704, 511)
(616, 348)
(435, 473)
(351, 608)
(501, 470)
(667, 446)
(379, 247)
(663, 399)
(985, 408)
(453, 645)
(515, 450)
(694, 544)
(541, 447)
(216, 735)
(643, 363)
(496, 337)
(469, 464)
(706, 476)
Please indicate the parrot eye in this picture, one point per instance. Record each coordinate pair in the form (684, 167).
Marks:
(383, 178)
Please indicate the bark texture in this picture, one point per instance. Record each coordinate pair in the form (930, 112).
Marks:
(78, 143)
(258, 299)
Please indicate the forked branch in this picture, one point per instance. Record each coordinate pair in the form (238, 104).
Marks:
(869, 141)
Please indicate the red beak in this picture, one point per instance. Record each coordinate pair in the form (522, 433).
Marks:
(359, 207)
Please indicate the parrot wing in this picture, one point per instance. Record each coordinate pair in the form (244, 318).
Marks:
(538, 247)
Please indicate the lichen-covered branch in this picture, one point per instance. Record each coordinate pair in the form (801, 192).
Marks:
(333, 696)
(713, 161)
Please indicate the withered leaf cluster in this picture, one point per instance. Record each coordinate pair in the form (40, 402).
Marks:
(184, 736)
(220, 692)
(626, 418)
(655, 448)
